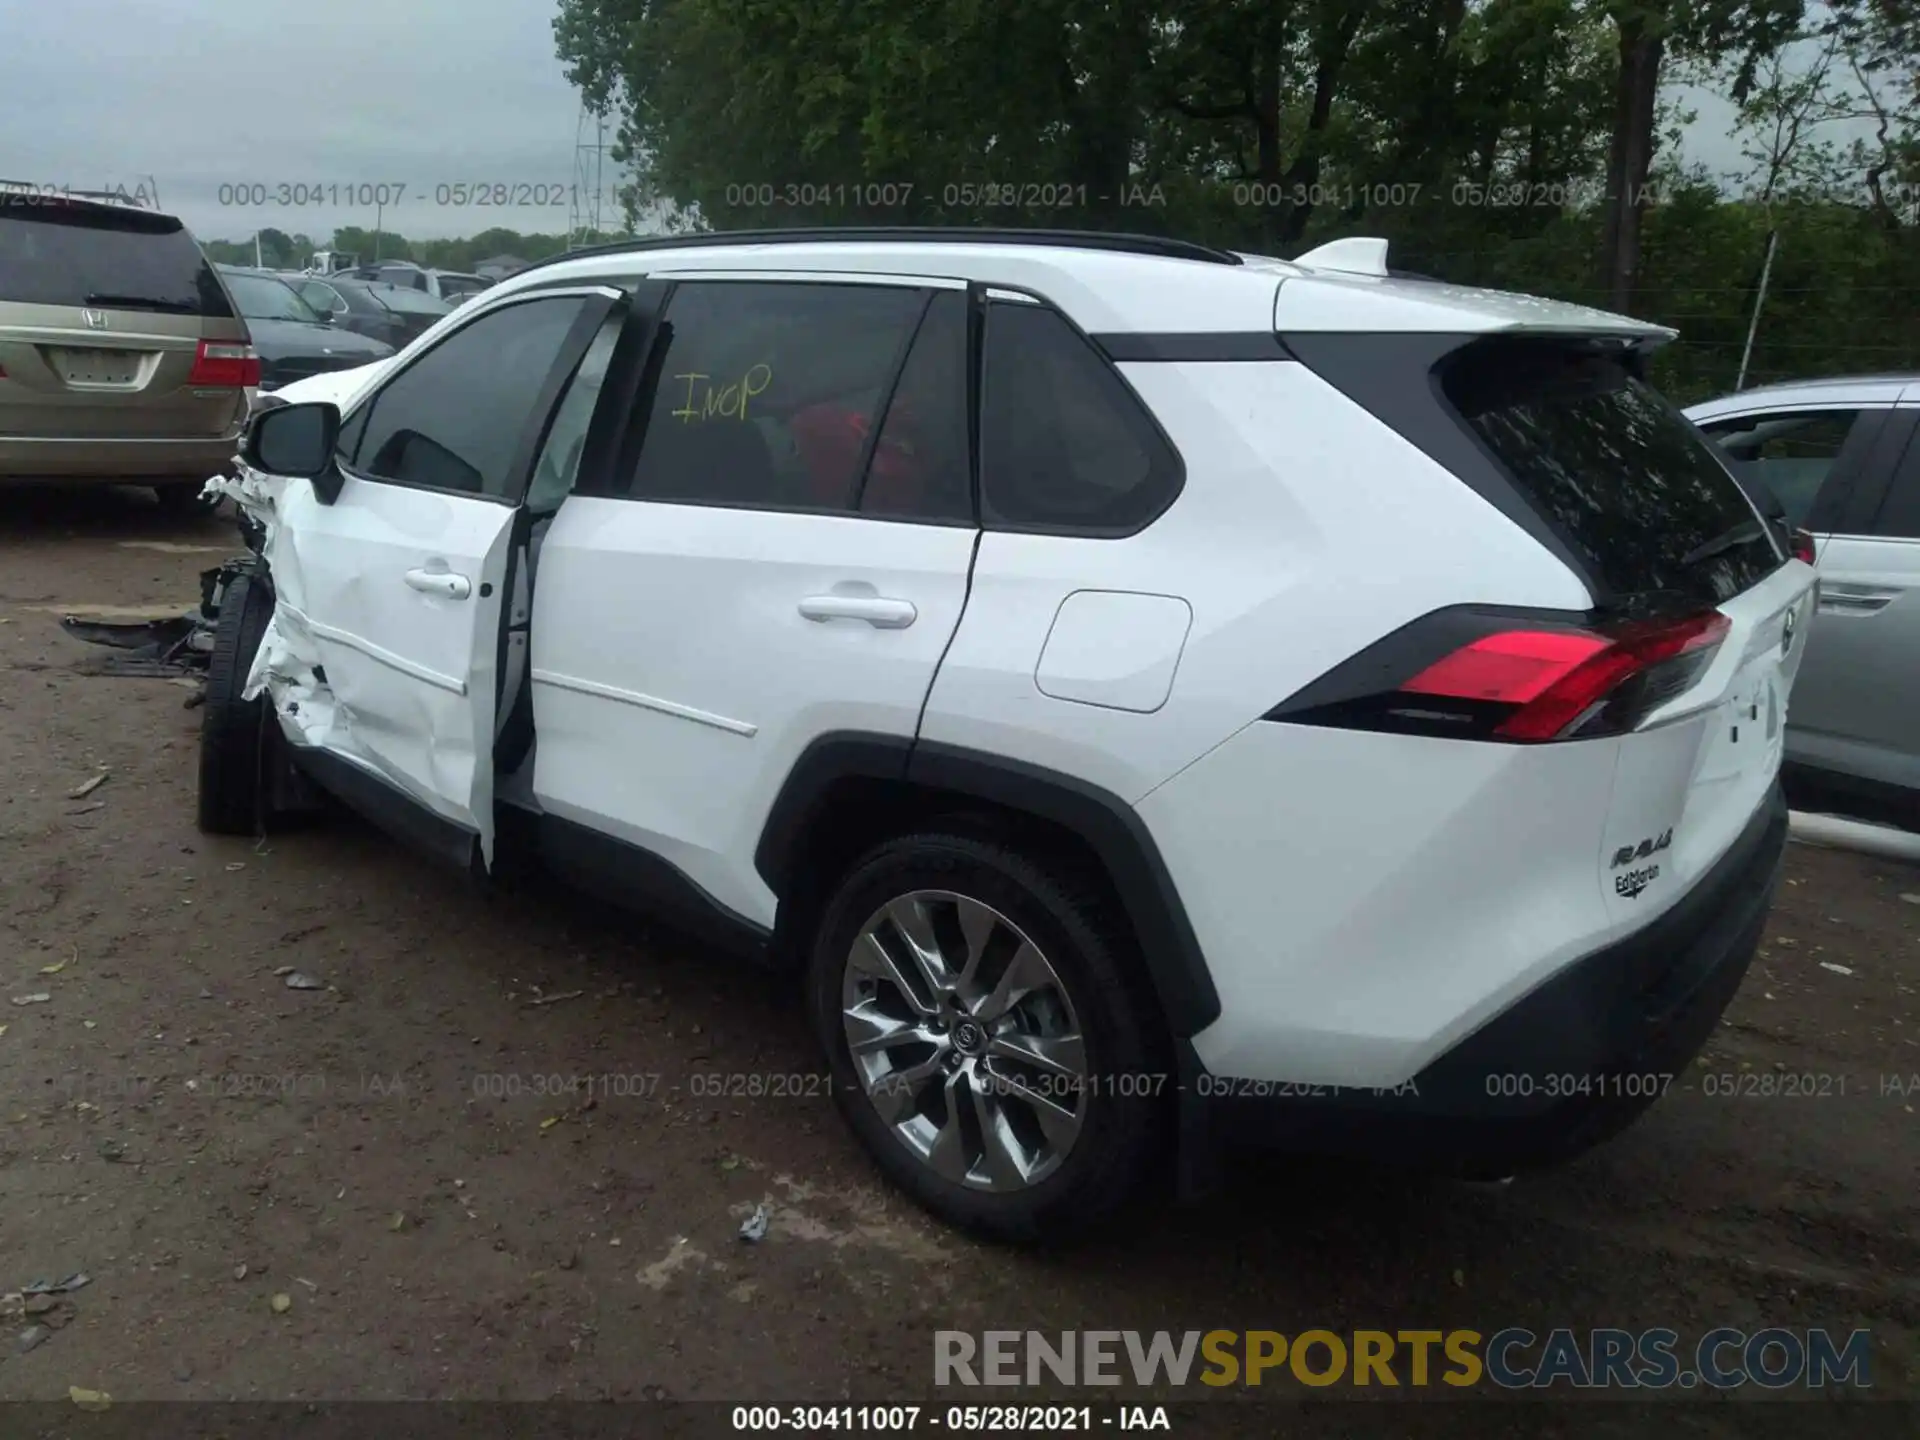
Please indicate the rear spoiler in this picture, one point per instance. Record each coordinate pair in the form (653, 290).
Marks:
(1346, 285)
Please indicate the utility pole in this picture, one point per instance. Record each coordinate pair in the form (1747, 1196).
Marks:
(1759, 299)
(589, 174)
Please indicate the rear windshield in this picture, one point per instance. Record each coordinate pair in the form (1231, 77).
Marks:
(55, 253)
(1629, 485)
(261, 297)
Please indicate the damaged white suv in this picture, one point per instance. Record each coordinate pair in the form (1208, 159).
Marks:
(1155, 697)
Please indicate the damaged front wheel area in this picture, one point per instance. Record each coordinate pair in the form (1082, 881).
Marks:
(235, 743)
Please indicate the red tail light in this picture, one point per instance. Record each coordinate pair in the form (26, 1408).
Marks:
(1503, 678)
(1803, 546)
(217, 364)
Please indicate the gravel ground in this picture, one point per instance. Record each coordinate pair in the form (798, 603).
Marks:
(200, 1139)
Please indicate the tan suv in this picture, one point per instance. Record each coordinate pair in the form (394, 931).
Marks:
(122, 357)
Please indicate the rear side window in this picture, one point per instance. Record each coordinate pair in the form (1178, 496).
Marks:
(766, 392)
(454, 418)
(1790, 454)
(922, 467)
(1064, 443)
(104, 259)
(1630, 486)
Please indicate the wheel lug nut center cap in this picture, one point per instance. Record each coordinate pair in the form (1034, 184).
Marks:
(969, 1038)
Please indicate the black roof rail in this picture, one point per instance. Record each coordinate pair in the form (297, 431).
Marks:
(913, 235)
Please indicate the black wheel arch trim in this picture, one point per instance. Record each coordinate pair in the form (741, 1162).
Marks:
(1114, 831)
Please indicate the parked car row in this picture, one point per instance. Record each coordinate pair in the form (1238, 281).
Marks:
(293, 339)
(452, 286)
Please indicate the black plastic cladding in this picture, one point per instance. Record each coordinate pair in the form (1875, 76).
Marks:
(1378, 371)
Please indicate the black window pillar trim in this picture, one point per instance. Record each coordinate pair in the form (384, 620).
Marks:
(857, 490)
(1112, 829)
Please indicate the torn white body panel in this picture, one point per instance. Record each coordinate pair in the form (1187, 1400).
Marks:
(383, 643)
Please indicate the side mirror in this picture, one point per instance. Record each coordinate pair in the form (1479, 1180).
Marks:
(298, 441)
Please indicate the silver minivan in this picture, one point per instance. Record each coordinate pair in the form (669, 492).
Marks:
(122, 357)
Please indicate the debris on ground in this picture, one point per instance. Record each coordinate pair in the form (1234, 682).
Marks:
(555, 999)
(240, 1271)
(89, 1399)
(112, 1150)
(38, 998)
(32, 1338)
(1836, 969)
(299, 981)
(88, 808)
(754, 1228)
(75, 1281)
(282, 1303)
(87, 787)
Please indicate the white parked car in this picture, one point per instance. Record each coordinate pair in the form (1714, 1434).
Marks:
(1152, 696)
(1841, 456)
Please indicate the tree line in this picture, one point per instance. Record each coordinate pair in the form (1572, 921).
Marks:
(1529, 144)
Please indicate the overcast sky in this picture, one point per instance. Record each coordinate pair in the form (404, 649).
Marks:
(202, 94)
(216, 98)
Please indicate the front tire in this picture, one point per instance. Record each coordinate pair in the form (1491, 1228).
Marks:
(233, 731)
(990, 1041)
(184, 501)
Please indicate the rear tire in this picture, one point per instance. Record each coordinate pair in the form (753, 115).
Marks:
(233, 731)
(939, 1094)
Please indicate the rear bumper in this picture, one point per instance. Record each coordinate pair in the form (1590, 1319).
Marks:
(1563, 1068)
(103, 460)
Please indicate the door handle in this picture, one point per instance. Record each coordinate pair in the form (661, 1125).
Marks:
(440, 582)
(877, 610)
(1842, 599)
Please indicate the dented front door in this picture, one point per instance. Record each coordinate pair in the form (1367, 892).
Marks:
(385, 643)
(389, 599)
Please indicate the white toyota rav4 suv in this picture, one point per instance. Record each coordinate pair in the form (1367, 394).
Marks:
(1154, 697)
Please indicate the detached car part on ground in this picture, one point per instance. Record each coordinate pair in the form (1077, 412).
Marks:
(1023, 729)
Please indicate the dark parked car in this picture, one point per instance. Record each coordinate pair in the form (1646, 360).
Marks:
(294, 340)
(380, 312)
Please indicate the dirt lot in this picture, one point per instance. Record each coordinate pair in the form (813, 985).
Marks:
(199, 1138)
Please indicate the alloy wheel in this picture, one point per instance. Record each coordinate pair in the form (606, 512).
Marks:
(965, 1040)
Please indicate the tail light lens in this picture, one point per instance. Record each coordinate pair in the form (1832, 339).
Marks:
(1478, 674)
(218, 364)
(1803, 546)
